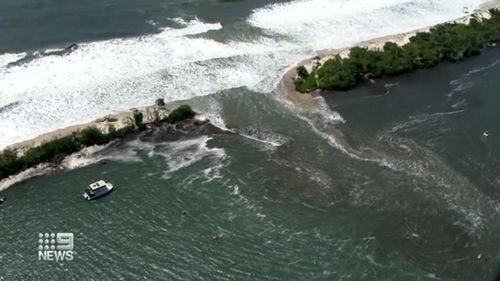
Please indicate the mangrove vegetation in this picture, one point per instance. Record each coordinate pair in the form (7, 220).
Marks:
(54, 151)
(445, 42)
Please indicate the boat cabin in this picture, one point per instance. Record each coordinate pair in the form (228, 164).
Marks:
(96, 185)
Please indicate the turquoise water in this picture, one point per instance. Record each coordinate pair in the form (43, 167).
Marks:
(391, 181)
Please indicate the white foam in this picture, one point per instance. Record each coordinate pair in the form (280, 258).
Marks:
(7, 58)
(340, 23)
(101, 77)
(152, 23)
(54, 50)
(442, 182)
(212, 111)
(271, 140)
(39, 170)
(184, 153)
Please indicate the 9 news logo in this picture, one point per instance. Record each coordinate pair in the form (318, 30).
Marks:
(55, 246)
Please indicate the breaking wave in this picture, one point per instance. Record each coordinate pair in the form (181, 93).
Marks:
(181, 63)
(334, 24)
(182, 154)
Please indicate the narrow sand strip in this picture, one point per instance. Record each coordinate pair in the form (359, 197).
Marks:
(310, 101)
(117, 121)
(303, 101)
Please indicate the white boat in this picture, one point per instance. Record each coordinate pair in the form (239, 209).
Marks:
(97, 189)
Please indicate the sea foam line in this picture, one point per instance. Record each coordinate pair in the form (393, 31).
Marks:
(113, 75)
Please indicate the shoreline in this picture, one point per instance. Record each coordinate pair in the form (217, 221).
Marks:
(78, 159)
(308, 101)
(151, 118)
(95, 154)
(38, 140)
(117, 121)
(311, 101)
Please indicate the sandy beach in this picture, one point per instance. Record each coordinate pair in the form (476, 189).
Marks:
(311, 101)
(291, 96)
(307, 102)
(117, 121)
(86, 155)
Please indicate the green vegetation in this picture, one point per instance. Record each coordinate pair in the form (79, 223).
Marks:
(9, 164)
(55, 150)
(446, 42)
(302, 72)
(92, 136)
(52, 151)
(138, 120)
(181, 113)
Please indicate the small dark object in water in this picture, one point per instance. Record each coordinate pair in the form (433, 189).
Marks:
(216, 237)
(184, 213)
(72, 47)
(160, 102)
(2, 200)
(102, 162)
(486, 134)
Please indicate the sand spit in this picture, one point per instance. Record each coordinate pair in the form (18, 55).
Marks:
(313, 101)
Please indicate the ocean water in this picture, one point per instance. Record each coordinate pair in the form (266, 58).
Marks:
(183, 50)
(391, 181)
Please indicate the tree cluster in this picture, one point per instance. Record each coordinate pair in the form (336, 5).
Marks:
(55, 150)
(446, 42)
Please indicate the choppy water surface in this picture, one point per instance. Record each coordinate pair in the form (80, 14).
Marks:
(185, 49)
(392, 181)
